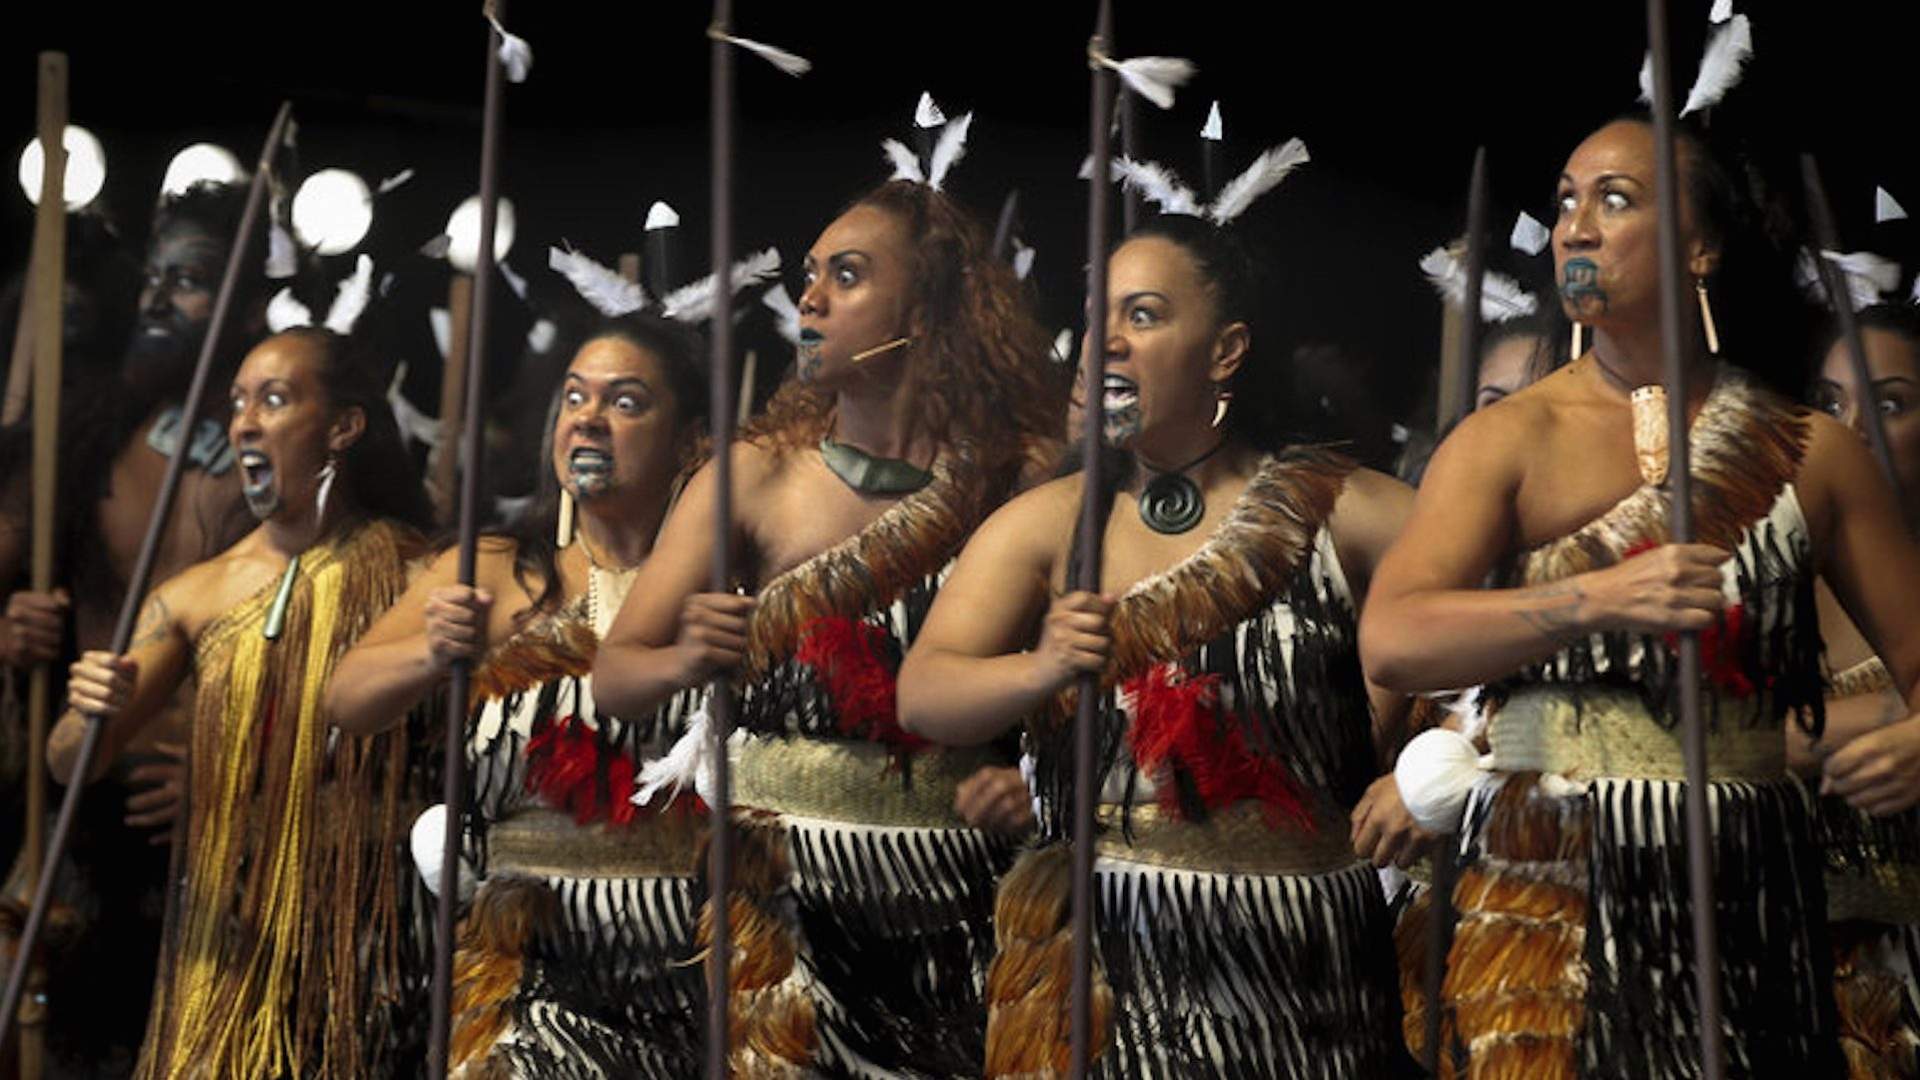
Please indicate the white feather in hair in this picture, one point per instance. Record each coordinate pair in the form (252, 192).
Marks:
(1728, 51)
(1262, 176)
(1157, 184)
(786, 314)
(1501, 297)
(696, 302)
(284, 312)
(1213, 130)
(441, 322)
(795, 66)
(1153, 77)
(906, 164)
(926, 114)
(1722, 11)
(1529, 235)
(601, 287)
(515, 54)
(1886, 207)
(949, 150)
(351, 298)
(661, 216)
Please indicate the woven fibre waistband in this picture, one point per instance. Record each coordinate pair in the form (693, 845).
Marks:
(1609, 732)
(1236, 839)
(547, 843)
(853, 781)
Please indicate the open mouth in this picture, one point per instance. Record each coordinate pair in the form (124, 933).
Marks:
(591, 469)
(1119, 393)
(810, 336)
(256, 483)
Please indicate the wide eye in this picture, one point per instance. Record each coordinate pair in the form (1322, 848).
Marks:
(628, 403)
(274, 399)
(239, 403)
(1140, 317)
(575, 399)
(1891, 405)
(1617, 201)
(809, 276)
(1827, 401)
(1566, 202)
(845, 277)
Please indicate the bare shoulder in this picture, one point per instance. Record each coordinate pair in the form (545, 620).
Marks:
(1034, 524)
(1836, 469)
(1371, 510)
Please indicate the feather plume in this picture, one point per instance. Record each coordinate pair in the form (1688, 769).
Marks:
(1886, 207)
(695, 302)
(1262, 176)
(786, 314)
(1063, 346)
(1646, 78)
(1720, 68)
(413, 423)
(282, 257)
(688, 763)
(515, 54)
(394, 181)
(514, 281)
(1501, 298)
(284, 312)
(1722, 11)
(1529, 235)
(1153, 77)
(442, 325)
(661, 216)
(1086, 168)
(906, 164)
(1157, 185)
(351, 298)
(1022, 259)
(795, 66)
(609, 293)
(949, 150)
(1213, 130)
(926, 114)
(1869, 276)
(541, 335)
(437, 247)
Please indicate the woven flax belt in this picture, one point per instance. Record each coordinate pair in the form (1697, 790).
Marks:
(1233, 840)
(853, 781)
(1610, 733)
(547, 843)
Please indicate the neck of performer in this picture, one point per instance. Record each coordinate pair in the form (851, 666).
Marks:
(877, 416)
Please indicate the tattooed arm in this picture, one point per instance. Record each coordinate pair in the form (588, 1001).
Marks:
(1429, 626)
(128, 690)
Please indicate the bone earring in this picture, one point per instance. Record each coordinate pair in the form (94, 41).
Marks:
(327, 473)
(1706, 316)
(1221, 400)
(563, 535)
(1579, 344)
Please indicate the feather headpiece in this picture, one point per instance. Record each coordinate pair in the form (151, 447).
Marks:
(1729, 47)
(1869, 277)
(947, 151)
(1501, 297)
(613, 296)
(350, 299)
(1158, 185)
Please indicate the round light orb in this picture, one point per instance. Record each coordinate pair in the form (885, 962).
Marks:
(332, 211)
(463, 232)
(86, 168)
(201, 163)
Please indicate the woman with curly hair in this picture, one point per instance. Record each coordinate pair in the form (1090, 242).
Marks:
(921, 399)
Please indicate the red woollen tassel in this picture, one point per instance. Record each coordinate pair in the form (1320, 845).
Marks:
(563, 768)
(849, 657)
(1720, 644)
(1177, 729)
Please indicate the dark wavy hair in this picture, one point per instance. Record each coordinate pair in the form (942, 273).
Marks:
(683, 351)
(376, 476)
(981, 357)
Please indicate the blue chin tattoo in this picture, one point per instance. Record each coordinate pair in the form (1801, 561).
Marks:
(1579, 287)
(256, 484)
(591, 473)
(806, 360)
(1120, 419)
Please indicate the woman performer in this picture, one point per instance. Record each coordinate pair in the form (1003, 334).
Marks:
(1573, 955)
(1873, 863)
(921, 397)
(290, 947)
(572, 959)
(1239, 932)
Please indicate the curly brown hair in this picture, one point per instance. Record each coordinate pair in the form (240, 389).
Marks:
(982, 358)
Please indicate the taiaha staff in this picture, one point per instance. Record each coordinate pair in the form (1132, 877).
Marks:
(720, 416)
(1827, 236)
(46, 296)
(1093, 520)
(454, 765)
(1706, 946)
(143, 565)
(1130, 146)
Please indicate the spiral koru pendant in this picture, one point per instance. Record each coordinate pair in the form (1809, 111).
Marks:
(1171, 504)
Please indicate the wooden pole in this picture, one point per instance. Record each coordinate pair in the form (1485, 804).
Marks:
(629, 266)
(471, 439)
(1093, 523)
(444, 465)
(720, 416)
(143, 564)
(1706, 946)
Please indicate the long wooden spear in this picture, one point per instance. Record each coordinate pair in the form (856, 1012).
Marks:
(1827, 235)
(1093, 522)
(143, 565)
(1706, 946)
(720, 416)
(453, 793)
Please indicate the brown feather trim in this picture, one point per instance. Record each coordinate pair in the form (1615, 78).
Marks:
(907, 543)
(507, 913)
(1874, 1034)
(1237, 571)
(1029, 1016)
(550, 646)
(1410, 947)
(1515, 983)
(772, 1029)
(1747, 444)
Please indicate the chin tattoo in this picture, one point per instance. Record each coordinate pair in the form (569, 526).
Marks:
(1579, 287)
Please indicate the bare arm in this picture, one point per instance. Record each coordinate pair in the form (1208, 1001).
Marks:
(967, 679)
(671, 633)
(1429, 625)
(128, 691)
(409, 650)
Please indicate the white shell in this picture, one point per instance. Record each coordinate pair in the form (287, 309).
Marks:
(1435, 772)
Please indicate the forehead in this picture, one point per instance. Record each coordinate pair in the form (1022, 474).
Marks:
(1889, 355)
(285, 358)
(1154, 264)
(1622, 147)
(605, 359)
(184, 240)
(864, 228)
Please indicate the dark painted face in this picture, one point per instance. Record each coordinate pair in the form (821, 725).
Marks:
(176, 299)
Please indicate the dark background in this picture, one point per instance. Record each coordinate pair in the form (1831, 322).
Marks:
(1390, 98)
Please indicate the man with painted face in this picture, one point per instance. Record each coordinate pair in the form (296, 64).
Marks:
(290, 949)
